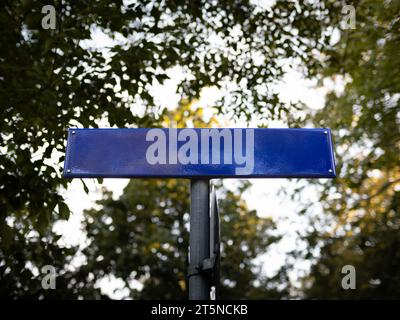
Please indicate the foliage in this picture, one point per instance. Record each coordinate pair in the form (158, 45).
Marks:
(54, 79)
(143, 236)
(23, 255)
(364, 201)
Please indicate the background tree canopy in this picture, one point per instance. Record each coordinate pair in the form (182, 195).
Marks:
(143, 236)
(147, 227)
(54, 79)
(364, 202)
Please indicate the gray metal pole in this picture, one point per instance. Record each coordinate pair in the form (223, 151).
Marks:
(199, 239)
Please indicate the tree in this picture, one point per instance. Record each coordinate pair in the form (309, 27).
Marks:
(143, 236)
(54, 79)
(24, 253)
(363, 203)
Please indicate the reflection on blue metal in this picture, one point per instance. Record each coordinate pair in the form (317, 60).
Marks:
(191, 153)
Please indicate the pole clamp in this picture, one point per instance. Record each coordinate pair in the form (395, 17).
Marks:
(205, 267)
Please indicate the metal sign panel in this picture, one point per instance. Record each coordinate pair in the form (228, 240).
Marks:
(191, 153)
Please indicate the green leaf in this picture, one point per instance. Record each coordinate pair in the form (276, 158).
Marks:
(6, 235)
(64, 211)
(85, 186)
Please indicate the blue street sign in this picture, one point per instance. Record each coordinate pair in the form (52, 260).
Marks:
(197, 153)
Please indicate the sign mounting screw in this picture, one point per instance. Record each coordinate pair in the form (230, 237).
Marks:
(69, 170)
(326, 132)
(73, 132)
(330, 170)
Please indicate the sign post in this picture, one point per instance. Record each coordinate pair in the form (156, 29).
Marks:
(199, 239)
(200, 155)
